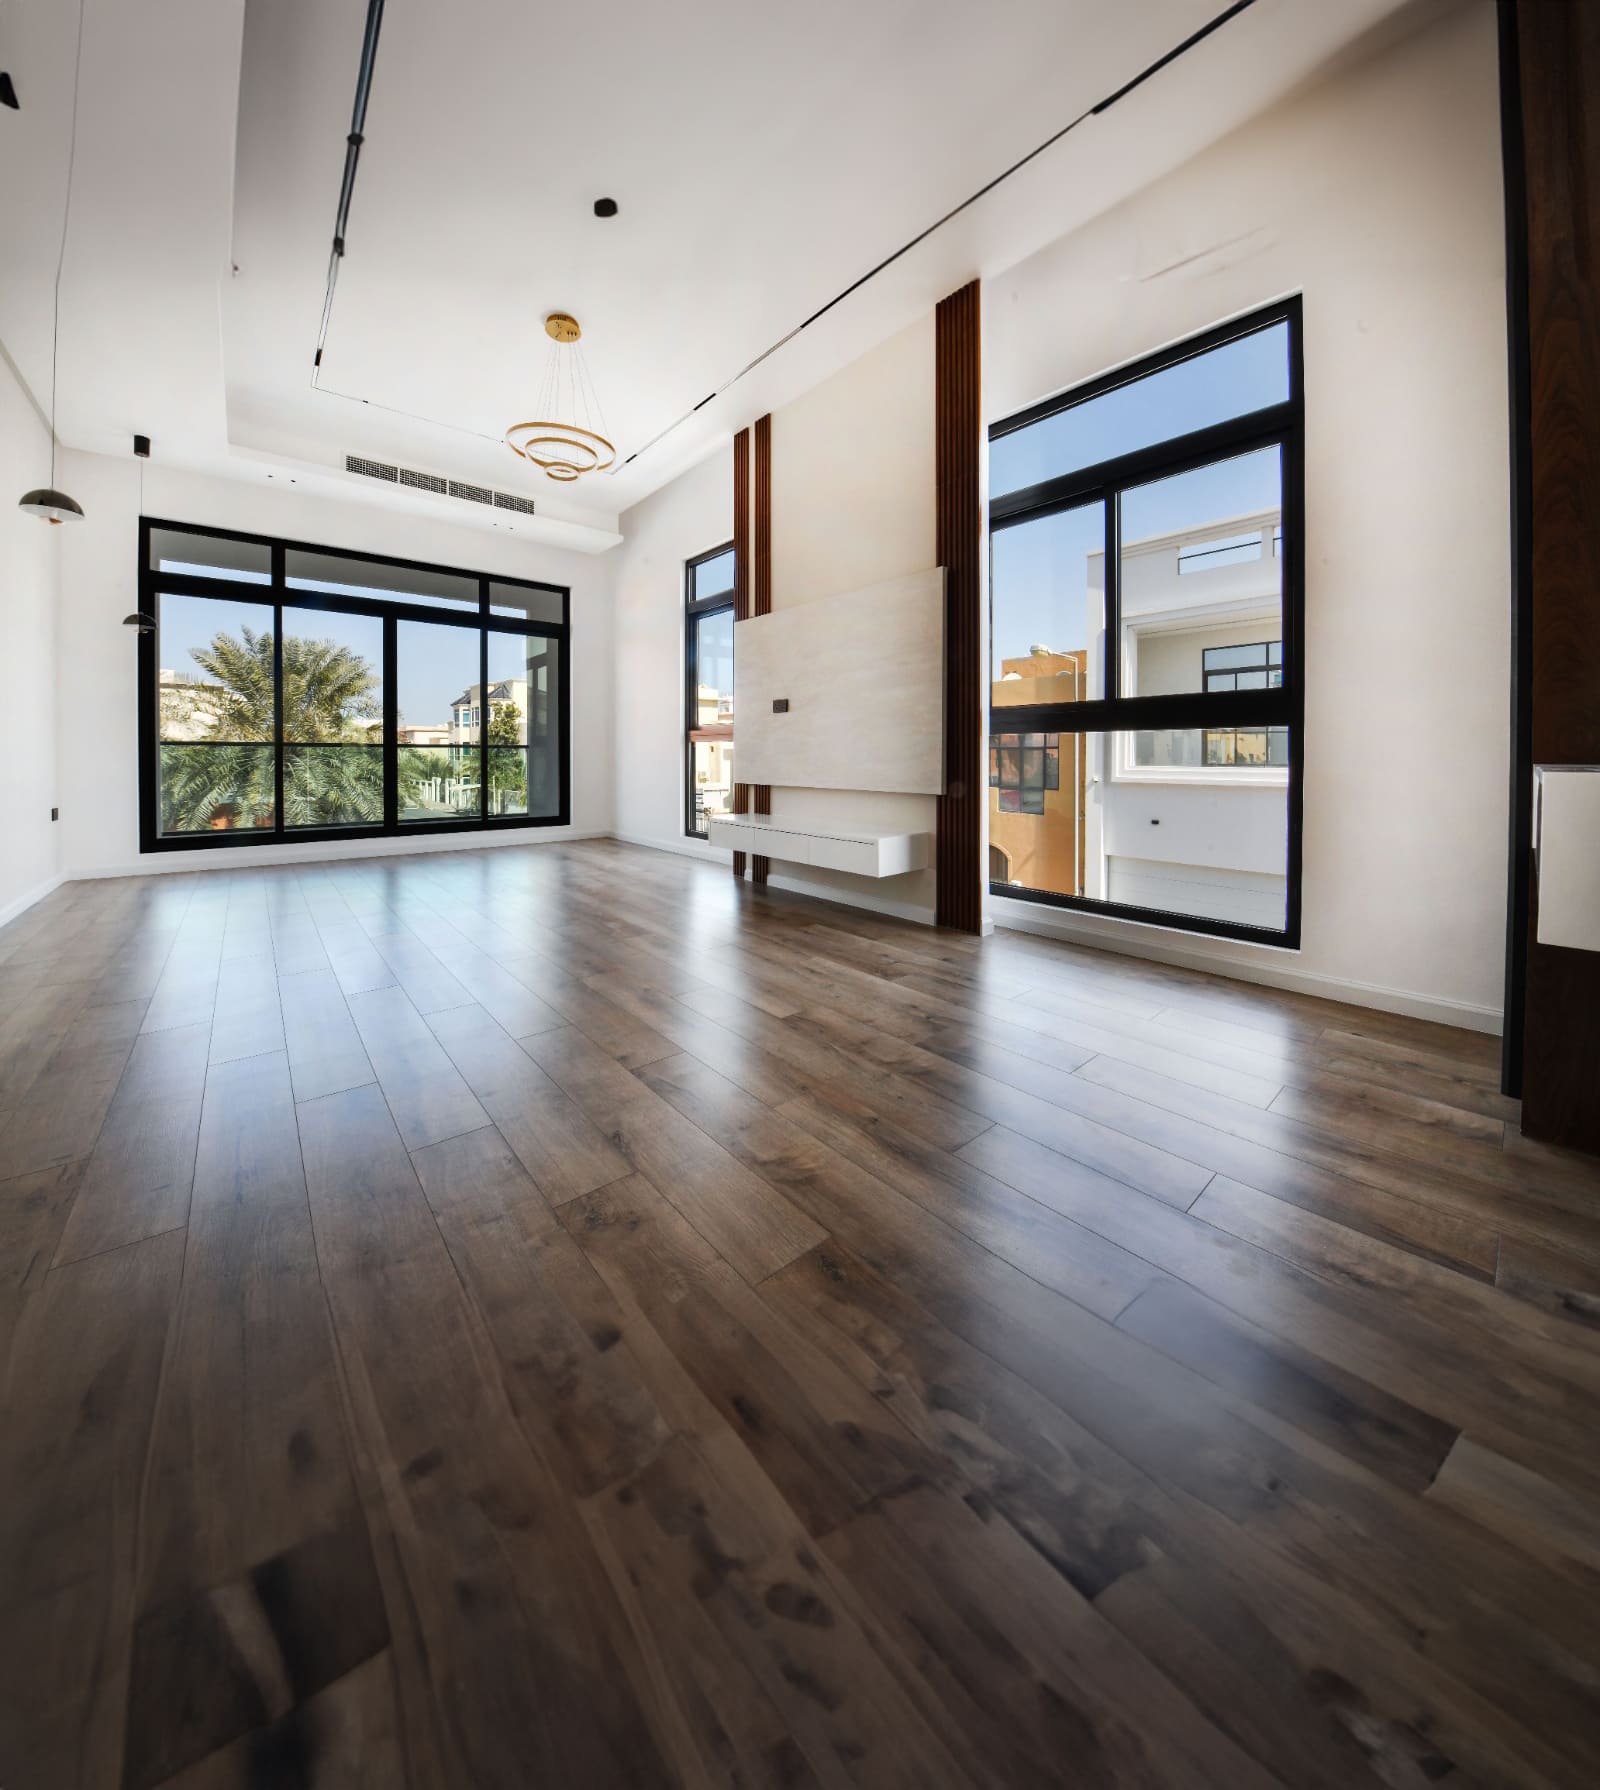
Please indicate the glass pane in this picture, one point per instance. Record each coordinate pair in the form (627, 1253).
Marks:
(1214, 852)
(1181, 621)
(712, 576)
(523, 712)
(711, 770)
(215, 677)
(210, 556)
(713, 665)
(508, 780)
(1231, 658)
(1240, 376)
(332, 677)
(1218, 853)
(332, 786)
(545, 724)
(437, 783)
(510, 657)
(438, 720)
(215, 788)
(536, 602)
(337, 575)
(1047, 607)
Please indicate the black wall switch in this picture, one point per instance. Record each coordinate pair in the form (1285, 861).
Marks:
(780, 705)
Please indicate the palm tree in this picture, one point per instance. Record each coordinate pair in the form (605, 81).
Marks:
(332, 772)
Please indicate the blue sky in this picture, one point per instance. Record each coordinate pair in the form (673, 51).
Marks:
(1038, 568)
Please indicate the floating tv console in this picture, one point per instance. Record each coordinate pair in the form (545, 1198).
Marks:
(861, 851)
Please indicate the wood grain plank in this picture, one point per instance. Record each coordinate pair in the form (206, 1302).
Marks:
(505, 1622)
(751, 1224)
(821, 1440)
(326, 1055)
(562, 1149)
(425, 1091)
(257, 1588)
(33, 1213)
(1519, 1504)
(563, 1340)
(86, 1363)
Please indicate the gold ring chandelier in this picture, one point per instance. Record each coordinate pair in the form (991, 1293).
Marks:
(565, 451)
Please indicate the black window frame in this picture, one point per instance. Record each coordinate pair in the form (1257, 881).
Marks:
(695, 610)
(1280, 425)
(277, 595)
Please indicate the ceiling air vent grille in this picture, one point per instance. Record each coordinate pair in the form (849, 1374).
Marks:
(439, 486)
(371, 469)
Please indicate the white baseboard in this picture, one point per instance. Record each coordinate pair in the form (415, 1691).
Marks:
(321, 852)
(1272, 971)
(874, 904)
(27, 899)
(713, 854)
(682, 848)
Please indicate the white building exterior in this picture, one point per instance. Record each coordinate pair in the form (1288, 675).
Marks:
(1164, 828)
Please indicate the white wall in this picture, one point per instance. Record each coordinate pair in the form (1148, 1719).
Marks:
(29, 590)
(98, 724)
(1378, 196)
(689, 516)
(853, 504)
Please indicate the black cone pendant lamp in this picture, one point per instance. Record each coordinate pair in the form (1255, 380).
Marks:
(47, 501)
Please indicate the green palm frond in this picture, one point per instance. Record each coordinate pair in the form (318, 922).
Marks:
(227, 779)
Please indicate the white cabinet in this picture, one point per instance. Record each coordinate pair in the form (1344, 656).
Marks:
(861, 853)
(1566, 843)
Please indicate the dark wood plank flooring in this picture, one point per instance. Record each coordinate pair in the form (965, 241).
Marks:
(555, 1316)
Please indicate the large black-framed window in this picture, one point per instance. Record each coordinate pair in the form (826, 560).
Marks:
(1147, 608)
(297, 692)
(708, 688)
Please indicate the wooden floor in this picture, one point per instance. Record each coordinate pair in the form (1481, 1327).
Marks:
(554, 1317)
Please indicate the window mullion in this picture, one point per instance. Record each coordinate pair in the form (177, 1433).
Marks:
(277, 690)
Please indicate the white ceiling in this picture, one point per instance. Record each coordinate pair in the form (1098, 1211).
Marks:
(764, 158)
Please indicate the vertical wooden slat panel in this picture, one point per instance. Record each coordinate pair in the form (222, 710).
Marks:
(761, 593)
(959, 538)
(1558, 49)
(741, 591)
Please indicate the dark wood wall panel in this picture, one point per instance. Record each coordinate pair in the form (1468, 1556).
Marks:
(761, 592)
(741, 590)
(1558, 51)
(959, 542)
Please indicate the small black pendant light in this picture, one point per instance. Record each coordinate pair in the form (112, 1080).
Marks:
(145, 624)
(55, 506)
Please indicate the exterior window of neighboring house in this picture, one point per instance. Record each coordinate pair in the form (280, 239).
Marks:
(1254, 667)
(292, 692)
(1146, 587)
(1023, 767)
(708, 689)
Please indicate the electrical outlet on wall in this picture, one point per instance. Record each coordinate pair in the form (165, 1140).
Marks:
(55, 814)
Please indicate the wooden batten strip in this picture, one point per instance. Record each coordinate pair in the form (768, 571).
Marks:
(959, 542)
(761, 593)
(741, 586)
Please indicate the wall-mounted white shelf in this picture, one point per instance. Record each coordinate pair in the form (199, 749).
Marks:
(1566, 844)
(863, 852)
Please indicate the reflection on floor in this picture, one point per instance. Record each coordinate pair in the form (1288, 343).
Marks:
(556, 1316)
